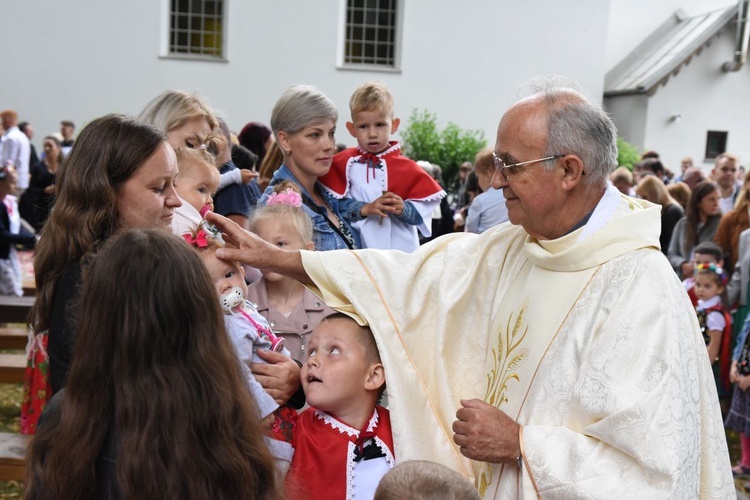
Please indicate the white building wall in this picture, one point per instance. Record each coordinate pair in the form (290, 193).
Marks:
(465, 61)
(630, 114)
(706, 99)
(631, 21)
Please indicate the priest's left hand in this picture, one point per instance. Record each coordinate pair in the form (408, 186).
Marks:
(485, 433)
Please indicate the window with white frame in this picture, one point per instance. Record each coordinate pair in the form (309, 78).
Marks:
(371, 33)
(196, 28)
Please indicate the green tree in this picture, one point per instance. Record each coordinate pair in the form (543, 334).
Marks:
(449, 147)
(627, 154)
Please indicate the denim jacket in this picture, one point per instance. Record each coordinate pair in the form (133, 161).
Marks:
(324, 237)
(741, 338)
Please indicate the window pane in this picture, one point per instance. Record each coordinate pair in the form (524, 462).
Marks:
(196, 27)
(182, 22)
(358, 16)
(370, 32)
(716, 143)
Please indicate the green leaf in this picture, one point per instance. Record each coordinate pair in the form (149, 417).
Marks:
(449, 147)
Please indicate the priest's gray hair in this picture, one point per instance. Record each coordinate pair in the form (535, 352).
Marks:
(301, 106)
(579, 125)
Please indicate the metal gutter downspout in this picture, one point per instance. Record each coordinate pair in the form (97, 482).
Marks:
(743, 35)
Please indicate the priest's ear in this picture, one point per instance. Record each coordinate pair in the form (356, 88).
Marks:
(574, 171)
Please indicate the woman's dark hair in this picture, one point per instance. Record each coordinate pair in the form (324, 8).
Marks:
(106, 153)
(244, 158)
(693, 214)
(254, 136)
(152, 364)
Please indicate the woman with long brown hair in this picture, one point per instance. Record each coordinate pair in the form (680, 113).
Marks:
(36, 201)
(119, 175)
(732, 224)
(652, 189)
(699, 224)
(155, 405)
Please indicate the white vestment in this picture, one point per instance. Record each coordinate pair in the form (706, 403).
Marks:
(588, 341)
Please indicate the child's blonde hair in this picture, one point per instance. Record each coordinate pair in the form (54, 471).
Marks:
(372, 96)
(484, 162)
(188, 158)
(422, 480)
(622, 174)
(293, 216)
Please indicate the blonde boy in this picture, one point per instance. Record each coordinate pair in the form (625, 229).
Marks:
(385, 195)
(342, 443)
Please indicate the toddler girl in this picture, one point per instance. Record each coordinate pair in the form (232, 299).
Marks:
(290, 308)
(248, 330)
(11, 234)
(196, 183)
(715, 322)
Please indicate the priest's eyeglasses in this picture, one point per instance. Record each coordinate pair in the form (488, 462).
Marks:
(505, 170)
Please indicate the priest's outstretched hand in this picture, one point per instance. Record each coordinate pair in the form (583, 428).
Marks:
(253, 251)
(485, 433)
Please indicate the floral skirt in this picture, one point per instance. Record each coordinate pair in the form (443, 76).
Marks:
(36, 388)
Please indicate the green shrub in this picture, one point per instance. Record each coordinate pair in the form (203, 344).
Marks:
(627, 154)
(422, 140)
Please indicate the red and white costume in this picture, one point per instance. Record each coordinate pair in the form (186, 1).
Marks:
(365, 177)
(324, 466)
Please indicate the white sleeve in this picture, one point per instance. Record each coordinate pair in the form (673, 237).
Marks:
(10, 151)
(242, 341)
(231, 177)
(715, 321)
(474, 216)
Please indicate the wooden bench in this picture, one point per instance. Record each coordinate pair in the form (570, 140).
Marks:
(13, 338)
(13, 456)
(12, 368)
(15, 309)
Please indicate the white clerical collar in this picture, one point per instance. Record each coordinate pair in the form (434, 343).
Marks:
(603, 212)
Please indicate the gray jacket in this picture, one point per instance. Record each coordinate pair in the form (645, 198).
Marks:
(679, 252)
(737, 289)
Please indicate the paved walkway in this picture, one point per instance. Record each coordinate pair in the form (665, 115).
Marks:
(741, 493)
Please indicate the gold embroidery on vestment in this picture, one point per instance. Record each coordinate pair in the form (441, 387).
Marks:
(506, 356)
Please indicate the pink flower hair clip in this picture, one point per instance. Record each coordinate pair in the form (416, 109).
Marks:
(287, 197)
(200, 240)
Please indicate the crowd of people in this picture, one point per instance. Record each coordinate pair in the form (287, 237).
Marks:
(317, 325)
(704, 235)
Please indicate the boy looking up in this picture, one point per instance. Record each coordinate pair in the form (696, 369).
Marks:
(342, 443)
(385, 195)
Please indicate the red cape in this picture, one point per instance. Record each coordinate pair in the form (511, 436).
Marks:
(725, 349)
(322, 466)
(405, 177)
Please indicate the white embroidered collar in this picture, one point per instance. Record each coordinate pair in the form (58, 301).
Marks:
(395, 146)
(342, 427)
